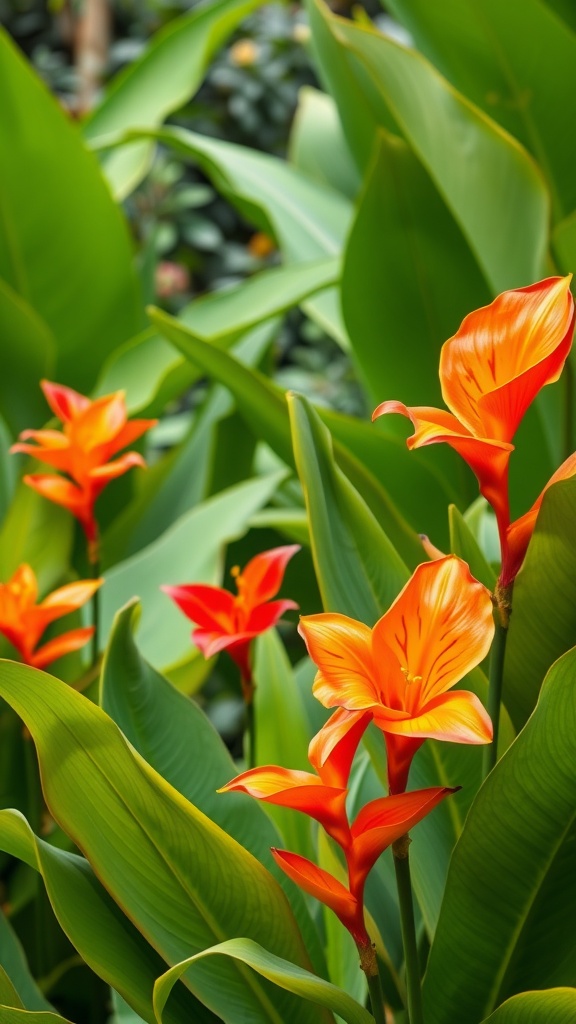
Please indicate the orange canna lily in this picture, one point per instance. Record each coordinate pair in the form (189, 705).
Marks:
(93, 432)
(23, 621)
(490, 371)
(231, 621)
(437, 630)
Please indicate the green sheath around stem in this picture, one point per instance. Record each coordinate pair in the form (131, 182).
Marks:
(496, 677)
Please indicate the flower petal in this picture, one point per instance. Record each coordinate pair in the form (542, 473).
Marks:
(458, 717)
(267, 615)
(439, 627)
(520, 531)
(58, 489)
(65, 403)
(324, 887)
(69, 598)
(262, 578)
(99, 423)
(340, 647)
(332, 750)
(212, 608)
(61, 645)
(381, 822)
(503, 354)
(130, 432)
(299, 790)
(101, 475)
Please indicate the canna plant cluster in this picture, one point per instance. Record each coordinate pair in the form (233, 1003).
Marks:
(396, 625)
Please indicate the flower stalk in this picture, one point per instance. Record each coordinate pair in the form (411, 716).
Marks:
(496, 680)
(406, 904)
(369, 964)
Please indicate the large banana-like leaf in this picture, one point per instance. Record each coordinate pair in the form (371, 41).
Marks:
(181, 879)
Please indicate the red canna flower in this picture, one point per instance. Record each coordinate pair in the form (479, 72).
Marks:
(93, 432)
(23, 621)
(490, 371)
(231, 621)
(437, 630)
(323, 797)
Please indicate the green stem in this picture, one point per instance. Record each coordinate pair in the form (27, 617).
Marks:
(568, 376)
(404, 886)
(495, 680)
(95, 645)
(251, 730)
(369, 964)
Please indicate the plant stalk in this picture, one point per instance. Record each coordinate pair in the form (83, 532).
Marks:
(369, 964)
(95, 644)
(495, 681)
(404, 885)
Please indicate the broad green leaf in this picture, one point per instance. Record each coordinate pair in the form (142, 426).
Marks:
(464, 544)
(189, 552)
(491, 185)
(282, 732)
(359, 571)
(542, 622)
(264, 407)
(555, 1006)
(28, 522)
(28, 354)
(13, 961)
(64, 245)
(8, 994)
(401, 308)
(163, 79)
(283, 974)
(182, 880)
(503, 874)
(152, 371)
(309, 221)
(11, 1015)
(185, 474)
(318, 146)
(492, 52)
(175, 736)
(123, 1013)
(95, 925)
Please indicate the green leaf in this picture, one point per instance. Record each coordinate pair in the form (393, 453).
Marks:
(286, 975)
(178, 740)
(282, 732)
(493, 52)
(28, 354)
(190, 551)
(182, 880)
(502, 894)
(557, 1006)
(64, 245)
(542, 622)
(359, 572)
(8, 994)
(105, 938)
(163, 79)
(464, 544)
(309, 221)
(491, 185)
(9, 1015)
(14, 964)
(264, 407)
(317, 143)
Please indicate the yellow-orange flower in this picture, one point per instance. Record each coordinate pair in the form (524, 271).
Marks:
(437, 630)
(23, 621)
(93, 432)
(490, 372)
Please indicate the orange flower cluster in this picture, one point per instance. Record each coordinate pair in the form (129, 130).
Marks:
(323, 797)
(231, 621)
(490, 371)
(23, 621)
(93, 432)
